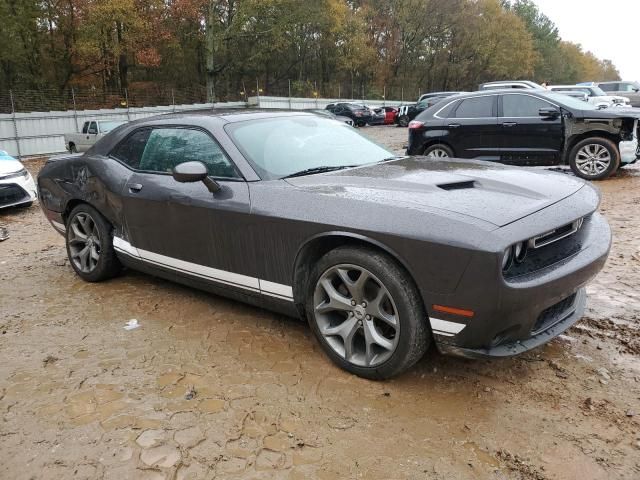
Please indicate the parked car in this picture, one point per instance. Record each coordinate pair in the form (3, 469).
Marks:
(521, 84)
(437, 95)
(407, 113)
(358, 113)
(378, 116)
(529, 128)
(17, 187)
(383, 255)
(595, 94)
(327, 113)
(390, 114)
(631, 90)
(92, 131)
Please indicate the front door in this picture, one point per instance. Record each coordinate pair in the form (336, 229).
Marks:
(528, 138)
(183, 226)
(472, 128)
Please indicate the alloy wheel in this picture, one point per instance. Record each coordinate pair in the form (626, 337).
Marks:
(84, 242)
(437, 153)
(593, 159)
(356, 315)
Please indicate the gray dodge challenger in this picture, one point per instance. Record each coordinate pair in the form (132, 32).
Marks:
(383, 255)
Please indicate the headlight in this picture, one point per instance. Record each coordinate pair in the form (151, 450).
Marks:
(515, 253)
(520, 251)
(507, 259)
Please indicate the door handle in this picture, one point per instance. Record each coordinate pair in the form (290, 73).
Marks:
(454, 125)
(134, 187)
(509, 124)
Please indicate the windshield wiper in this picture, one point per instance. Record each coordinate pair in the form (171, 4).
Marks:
(395, 157)
(311, 171)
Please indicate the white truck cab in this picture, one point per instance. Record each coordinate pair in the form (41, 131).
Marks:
(92, 131)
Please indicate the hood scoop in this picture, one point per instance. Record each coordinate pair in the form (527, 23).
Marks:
(457, 185)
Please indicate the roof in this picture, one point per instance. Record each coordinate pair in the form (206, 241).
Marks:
(228, 115)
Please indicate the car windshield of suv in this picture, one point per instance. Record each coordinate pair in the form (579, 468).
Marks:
(279, 147)
(570, 102)
(108, 126)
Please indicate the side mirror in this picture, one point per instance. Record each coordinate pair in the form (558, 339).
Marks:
(549, 112)
(92, 131)
(190, 172)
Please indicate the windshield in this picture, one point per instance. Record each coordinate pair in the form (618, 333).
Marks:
(278, 147)
(597, 91)
(570, 102)
(108, 126)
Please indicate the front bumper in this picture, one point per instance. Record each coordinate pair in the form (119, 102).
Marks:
(17, 190)
(517, 314)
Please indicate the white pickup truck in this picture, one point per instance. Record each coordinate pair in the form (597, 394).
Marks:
(92, 131)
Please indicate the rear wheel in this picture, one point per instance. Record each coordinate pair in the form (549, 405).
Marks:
(594, 158)
(366, 313)
(90, 245)
(438, 151)
(73, 148)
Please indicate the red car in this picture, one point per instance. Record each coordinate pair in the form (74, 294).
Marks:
(390, 114)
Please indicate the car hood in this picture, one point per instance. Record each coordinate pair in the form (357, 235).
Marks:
(616, 112)
(9, 165)
(489, 192)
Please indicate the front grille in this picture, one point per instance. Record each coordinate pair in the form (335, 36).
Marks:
(554, 314)
(10, 194)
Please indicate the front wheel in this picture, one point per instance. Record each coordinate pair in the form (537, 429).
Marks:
(366, 313)
(90, 245)
(403, 120)
(594, 158)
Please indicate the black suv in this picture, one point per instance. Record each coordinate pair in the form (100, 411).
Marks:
(531, 127)
(360, 114)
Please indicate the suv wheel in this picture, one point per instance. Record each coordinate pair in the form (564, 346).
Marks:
(90, 245)
(594, 158)
(403, 120)
(438, 151)
(366, 313)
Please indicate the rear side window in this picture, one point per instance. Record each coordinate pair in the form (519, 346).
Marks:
(609, 87)
(522, 106)
(478, 107)
(130, 150)
(168, 147)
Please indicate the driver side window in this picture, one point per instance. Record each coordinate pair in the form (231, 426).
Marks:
(168, 147)
(161, 149)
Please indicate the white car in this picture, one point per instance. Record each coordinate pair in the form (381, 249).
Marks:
(16, 183)
(596, 94)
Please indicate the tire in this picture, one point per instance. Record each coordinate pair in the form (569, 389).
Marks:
(403, 120)
(73, 148)
(594, 158)
(360, 123)
(437, 151)
(403, 337)
(85, 221)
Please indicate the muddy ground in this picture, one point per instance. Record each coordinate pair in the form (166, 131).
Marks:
(210, 388)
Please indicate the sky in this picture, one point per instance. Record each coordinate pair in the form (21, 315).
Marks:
(607, 28)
